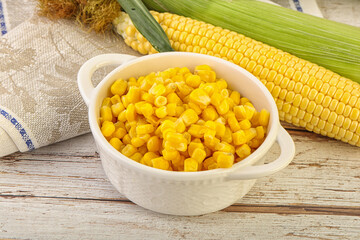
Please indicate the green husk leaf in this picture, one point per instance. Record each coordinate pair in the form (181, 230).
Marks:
(146, 24)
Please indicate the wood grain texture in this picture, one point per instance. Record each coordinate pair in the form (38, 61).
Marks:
(89, 219)
(325, 173)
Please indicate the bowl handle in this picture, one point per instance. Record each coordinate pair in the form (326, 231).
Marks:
(90, 66)
(287, 148)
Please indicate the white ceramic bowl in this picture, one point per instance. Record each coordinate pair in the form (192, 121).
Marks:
(182, 193)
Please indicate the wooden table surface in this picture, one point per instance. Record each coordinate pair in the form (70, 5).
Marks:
(61, 192)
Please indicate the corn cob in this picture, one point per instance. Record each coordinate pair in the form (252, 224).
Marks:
(306, 94)
(330, 44)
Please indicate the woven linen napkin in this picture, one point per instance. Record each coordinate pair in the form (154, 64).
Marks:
(39, 100)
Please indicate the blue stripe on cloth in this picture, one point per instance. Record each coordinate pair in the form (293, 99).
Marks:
(3, 29)
(298, 6)
(19, 128)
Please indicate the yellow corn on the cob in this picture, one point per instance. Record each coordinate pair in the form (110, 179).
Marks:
(306, 94)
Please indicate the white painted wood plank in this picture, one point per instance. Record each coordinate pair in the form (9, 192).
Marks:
(324, 172)
(41, 218)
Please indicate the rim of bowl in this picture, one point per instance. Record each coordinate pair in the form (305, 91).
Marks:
(186, 176)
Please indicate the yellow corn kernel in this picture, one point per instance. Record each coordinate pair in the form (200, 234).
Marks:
(107, 102)
(209, 113)
(225, 93)
(170, 154)
(160, 163)
(184, 89)
(250, 133)
(126, 139)
(106, 113)
(107, 128)
(161, 112)
(209, 88)
(116, 143)
(137, 141)
(144, 129)
(244, 112)
(137, 157)
(223, 108)
(220, 129)
(213, 166)
(133, 95)
(255, 119)
(157, 89)
(146, 109)
(206, 75)
(235, 96)
(190, 165)
(180, 125)
(224, 147)
(233, 123)
(210, 124)
(228, 115)
(210, 140)
(127, 126)
(264, 118)
(221, 84)
(245, 124)
(119, 132)
(260, 132)
(200, 97)
(132, 130)
(198, 154)
(216, 99)
(239, 137)
(227, 135)
(117, 108)
(154, 144)
(189, 117)
(130, 113)
(184, 70)
(115, 99)
(146, 83)
(193, 146)
(119, 87)
(193, 80)
(160, 101)
(221, 120)
(171, 109)
(176, 141)
(187, 136)
(244, 100)
(147, 97)
(173, 98)
(179, 110)
(166, 124)
(194, 107)
(255, 143)
(145, 137)
(243, 151)
(150, 155)
(207, 162)
(122, 116)
(129, 150)
(224, 159)
(178, 78)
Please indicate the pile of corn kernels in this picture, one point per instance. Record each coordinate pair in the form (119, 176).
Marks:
(181, 121)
